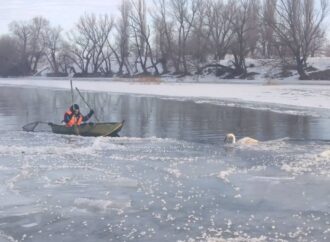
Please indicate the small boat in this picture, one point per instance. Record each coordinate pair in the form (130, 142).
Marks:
(89, 129)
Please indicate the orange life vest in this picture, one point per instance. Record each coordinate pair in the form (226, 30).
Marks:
(74, 120)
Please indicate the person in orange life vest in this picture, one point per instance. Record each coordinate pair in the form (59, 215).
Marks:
(73, 116)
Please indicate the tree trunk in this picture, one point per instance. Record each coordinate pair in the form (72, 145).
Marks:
(301, 71)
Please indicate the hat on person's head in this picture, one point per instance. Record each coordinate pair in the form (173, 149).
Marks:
(75, 107)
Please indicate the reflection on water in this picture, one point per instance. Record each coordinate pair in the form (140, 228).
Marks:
(148, 116)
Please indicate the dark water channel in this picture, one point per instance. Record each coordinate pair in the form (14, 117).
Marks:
(154, 117)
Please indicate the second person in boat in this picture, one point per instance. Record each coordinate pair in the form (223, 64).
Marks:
(73, 116)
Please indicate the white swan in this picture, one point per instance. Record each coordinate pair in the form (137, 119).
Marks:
(231, 139)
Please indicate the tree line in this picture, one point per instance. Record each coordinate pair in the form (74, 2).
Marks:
(170, 36)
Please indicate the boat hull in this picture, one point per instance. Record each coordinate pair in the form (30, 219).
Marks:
(89, 129)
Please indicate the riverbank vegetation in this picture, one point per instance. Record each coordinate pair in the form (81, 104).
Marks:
(172, 37)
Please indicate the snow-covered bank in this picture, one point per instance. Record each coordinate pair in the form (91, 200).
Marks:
(308, 97)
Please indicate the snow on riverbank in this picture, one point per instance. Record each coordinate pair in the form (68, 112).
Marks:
(309, 95)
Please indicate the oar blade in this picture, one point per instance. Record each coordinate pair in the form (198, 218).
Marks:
(30, 127)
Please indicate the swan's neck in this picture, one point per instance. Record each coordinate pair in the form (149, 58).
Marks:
(233, 139)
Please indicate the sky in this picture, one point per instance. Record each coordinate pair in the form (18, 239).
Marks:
(59, 12)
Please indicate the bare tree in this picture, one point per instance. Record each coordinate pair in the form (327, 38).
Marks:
(22, 34)
(89, 39)
(121, 47)
(53, 41)
(30, 38)
(198, 44)
(141, 32)
(182, 34)
(219, 17)
(184, 13)
(100, 33)
(253, 34)
(138, 23)
(9, 56)
(244, 27)
(164, 28)
(160, 54)
(297, 26)
(107, 56)
(39, 27)
(65, 57)
(318, 43)
(267, 38)
(81, 48)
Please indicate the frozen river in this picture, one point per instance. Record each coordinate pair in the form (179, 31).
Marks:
(168, 178)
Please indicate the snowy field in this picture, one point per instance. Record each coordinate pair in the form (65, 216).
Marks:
(65, 188)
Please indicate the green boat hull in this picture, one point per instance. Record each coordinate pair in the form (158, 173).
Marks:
(89, 129)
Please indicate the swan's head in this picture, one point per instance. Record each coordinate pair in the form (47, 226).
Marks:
(230, 138)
